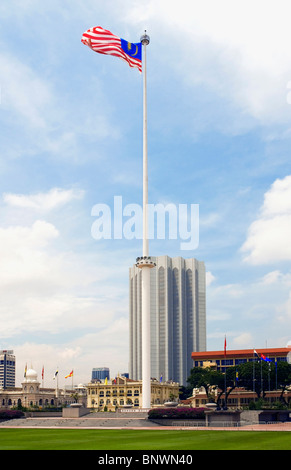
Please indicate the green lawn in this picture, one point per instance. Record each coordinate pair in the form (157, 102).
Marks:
(108, 439)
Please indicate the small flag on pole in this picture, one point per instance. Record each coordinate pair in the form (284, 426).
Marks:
(225, 346)
(266, 359)
(25, 370)
(42, 372)
(161, 378)
(56, 374)
(70, 374)
(103, 41)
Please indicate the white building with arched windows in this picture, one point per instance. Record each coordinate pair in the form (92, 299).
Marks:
(122, 392)
(32, 395)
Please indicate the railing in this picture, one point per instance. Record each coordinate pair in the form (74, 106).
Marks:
(226, 424)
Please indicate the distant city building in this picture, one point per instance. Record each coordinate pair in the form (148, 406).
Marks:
(123, 392)
(7, 369)
(178, 317)
(100, 373)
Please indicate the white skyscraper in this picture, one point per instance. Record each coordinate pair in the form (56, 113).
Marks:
(7, 369)
(178, 317)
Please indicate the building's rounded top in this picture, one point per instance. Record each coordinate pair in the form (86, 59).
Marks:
(31, 375)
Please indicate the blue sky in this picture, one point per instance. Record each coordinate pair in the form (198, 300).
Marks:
(219, 132)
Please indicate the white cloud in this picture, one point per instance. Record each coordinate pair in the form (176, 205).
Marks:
(49, 291)
(43, 202)
(272, 277)
(106, 346)
(240, 50)
(243, 340)
(19, 83)
(269, 236)
(209, 278)
(277, 200)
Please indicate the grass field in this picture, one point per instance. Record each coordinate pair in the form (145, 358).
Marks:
(84, 439)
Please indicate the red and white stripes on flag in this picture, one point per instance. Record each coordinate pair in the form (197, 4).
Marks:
(103, 41)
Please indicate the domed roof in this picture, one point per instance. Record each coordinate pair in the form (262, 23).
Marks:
(31, 375)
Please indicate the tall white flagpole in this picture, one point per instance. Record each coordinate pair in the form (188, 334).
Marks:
(145, 262)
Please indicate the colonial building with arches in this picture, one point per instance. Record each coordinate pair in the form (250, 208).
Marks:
(123, 392)
(31, 395)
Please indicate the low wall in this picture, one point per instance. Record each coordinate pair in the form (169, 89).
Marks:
(265, 416)
(42, 414)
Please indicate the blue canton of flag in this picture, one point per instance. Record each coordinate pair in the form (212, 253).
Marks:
(131, 49)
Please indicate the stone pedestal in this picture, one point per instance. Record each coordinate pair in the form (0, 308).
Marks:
(75, 410)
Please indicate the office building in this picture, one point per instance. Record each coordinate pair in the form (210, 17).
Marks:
(7, 369)
(100, 373)
(178, 317)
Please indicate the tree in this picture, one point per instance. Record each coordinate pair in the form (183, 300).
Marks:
(185, 392)
(251, 377)
(262, 376)
(281, 377)
(258, 376)
(226, 384)
(205, 377)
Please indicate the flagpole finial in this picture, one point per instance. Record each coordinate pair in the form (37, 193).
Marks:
(145, 39)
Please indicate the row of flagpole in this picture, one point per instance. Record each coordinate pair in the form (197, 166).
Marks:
(55, 376)
(261, 358)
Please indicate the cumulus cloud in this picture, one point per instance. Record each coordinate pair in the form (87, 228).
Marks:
(268, 238)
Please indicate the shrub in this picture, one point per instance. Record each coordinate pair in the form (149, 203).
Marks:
(10, 414)
(177, 413)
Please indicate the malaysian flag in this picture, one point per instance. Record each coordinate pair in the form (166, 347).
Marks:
(103, 41)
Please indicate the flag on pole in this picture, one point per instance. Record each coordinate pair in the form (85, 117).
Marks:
(103, 41)
(225, 346)
(25, 370)
(56, 373)
(161, 378)
(266, 359)
(256, 354)
(42, 372)
(70, 374)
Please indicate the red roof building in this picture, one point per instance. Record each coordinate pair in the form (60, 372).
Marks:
(222, 359)
(239, 398)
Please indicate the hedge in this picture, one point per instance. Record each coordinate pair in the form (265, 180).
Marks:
(10, 414)
(177, 413)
